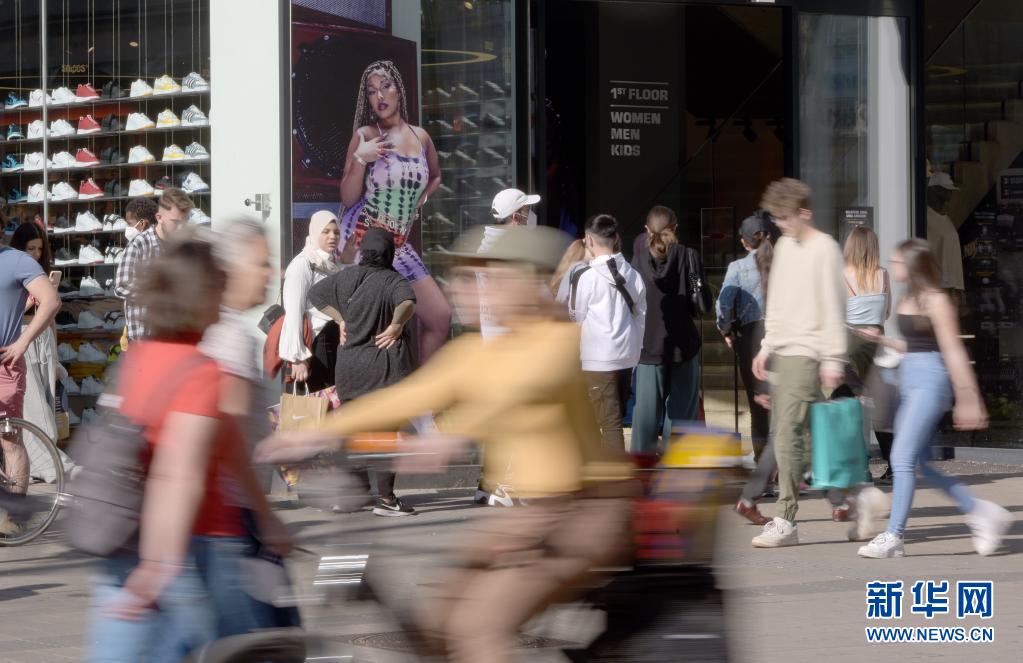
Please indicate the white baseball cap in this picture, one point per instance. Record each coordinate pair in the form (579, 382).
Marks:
(943, 180)
(510, 201)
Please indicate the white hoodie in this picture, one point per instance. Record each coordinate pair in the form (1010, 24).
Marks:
(612, 336)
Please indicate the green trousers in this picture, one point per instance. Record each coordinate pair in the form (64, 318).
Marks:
(795, 384)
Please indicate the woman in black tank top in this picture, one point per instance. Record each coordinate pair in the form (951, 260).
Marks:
(935, 373)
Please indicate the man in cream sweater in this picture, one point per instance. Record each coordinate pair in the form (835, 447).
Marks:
(805, 340)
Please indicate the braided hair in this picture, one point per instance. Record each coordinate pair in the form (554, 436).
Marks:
(364, 114)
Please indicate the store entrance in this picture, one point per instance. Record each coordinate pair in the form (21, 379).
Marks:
(683, 105)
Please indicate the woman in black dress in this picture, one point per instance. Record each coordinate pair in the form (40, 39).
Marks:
(371, 303)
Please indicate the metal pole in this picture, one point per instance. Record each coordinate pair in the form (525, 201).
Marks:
(46, 134)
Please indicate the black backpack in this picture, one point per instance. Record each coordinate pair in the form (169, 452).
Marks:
(697, 289)
(107, 489)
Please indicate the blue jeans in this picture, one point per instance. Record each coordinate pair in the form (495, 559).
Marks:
(183, 621)
(664, 393)
(226, 566)
(925, 394)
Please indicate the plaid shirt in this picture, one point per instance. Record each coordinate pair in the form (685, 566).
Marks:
(140, 251)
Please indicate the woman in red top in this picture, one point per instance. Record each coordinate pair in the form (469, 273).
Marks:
(191, 533)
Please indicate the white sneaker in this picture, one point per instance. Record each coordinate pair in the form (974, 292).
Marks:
(36, 129)
(197, 217)
(116, 221)
(114, 321)
(173, 153)
(140, 88)
(92, 387)
(139, 154)
(89, 416)
(140, 188)
(63, 191)
(61, 128)
(884, 546)
(73, 418)
(71, 387)
(989, 523)
(165, 85)
(194, 184)
(34, 161)
(89, 255)
(872, 507)
(64, 160)
(66, 353)
(86, 222)
(89, 287)
(37, 192)
(167, 118)
(90, 354)
(89, 320)
(62, 95)
(39, 98)
(193, 117)
(138, 122)
(194, 82)
(777, 533)
(196, 151)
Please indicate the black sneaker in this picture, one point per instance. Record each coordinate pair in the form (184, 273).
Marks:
(64, 257)
(61, 223)
(113, 91)
(112, 156)
(113, 189)
(163, 184)
(66, 286)
(112, 123)
(392, 506)
(64, 319)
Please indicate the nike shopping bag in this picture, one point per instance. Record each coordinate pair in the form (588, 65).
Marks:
(301, 410)
(839, 450)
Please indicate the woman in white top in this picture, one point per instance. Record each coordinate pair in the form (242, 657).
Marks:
(312, 364)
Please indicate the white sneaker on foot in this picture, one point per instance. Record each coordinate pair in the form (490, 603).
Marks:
(872, 506)
(777, 533)
(884, 546)
(989, 523)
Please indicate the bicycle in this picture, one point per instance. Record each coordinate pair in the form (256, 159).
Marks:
(34, 499)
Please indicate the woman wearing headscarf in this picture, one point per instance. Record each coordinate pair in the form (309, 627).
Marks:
(311, 363)
(372, 304)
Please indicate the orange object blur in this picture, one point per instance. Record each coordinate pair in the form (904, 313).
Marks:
(374, 442)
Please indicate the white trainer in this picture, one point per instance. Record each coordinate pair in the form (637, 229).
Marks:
(872, 506)
(989, 523)
(883, 546)
(777, 533)
(140, 88)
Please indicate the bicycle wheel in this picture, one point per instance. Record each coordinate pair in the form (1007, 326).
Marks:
(30, 500)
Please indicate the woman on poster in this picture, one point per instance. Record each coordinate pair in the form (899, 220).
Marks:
(390, 172)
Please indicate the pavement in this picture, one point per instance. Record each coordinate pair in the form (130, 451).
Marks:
(805, 603)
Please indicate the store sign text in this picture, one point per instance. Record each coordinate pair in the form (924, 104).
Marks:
(632, 105)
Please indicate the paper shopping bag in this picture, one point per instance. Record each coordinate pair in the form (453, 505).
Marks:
(298, 410)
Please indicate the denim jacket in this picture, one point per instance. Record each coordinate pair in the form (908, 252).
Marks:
(742, 298)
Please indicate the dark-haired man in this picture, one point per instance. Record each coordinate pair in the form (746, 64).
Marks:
(608, 299)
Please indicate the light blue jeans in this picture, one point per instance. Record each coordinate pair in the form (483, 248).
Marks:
(925, 395)
(664, 393)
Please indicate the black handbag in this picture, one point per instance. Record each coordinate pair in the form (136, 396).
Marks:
(700, 300)
(272, 314)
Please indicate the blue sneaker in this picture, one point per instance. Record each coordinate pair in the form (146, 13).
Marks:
(16, 196)
(12, 163)
(14, 132)
(14, 101)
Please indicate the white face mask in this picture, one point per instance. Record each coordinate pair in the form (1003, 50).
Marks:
(131, 232)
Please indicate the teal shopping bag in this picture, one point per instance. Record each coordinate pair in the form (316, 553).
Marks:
(839, 451)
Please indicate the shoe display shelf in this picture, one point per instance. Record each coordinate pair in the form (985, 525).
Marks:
(7, 113)
(101, 199)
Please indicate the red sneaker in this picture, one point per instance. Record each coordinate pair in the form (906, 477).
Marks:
(85, 158)
(89, 189)
(86, 92)
(751, 513)
(88, 125)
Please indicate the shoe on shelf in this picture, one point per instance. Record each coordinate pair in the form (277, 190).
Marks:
(38, 98)
(66, 353)
(112, 156)
(65, 159)
(89, 416)
(113, 189)
(392, 506)
(167, 118)
(883, 546)
(872, 507)
(14, 131)
(89, 287)
(87, 124)
(777, 533)
(193, 117)
(163, 184)
(173, 153)
(139, 154)
(89, 255)
(36, 193)
(63, 257)
(140, 88)
(14, 101)
(86, 222)
(89, 189)
(61, 128)
(112, 90)
(197, 217)
(113, 321)
(89, 320)
(90, 385)
(62, 95)
(90, 354)
(194, 184)
(194, 82)
(140, 188)
(988, 522)
(34, 161)
(750, 512)
(13, 163)
(71, 388)
(111, 123)
(196, 151)
(118, 254)
(63, 191)
(116, 221)
(165, 85)
(84, 158)
(73, 419)
(86, 92)
(16, 196)
(61, 225)
(139, 122)
(65, 320)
